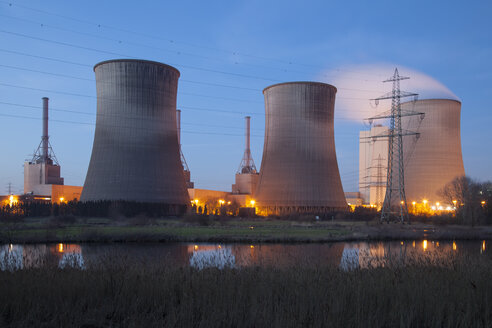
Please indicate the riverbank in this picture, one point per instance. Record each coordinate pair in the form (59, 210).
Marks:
(421, 295)
(47, 230)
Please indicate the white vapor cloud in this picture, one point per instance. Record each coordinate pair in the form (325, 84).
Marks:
(358, 83)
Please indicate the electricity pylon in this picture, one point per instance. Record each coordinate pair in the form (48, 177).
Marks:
(395, 150)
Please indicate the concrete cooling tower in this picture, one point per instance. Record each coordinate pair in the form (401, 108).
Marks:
(135, 156)
(299, 170)
(433, 159)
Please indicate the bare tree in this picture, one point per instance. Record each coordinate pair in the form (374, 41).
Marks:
(464, 193)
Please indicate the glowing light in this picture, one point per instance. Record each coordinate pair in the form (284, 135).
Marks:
(401, 243)
(196, 201)
(221, 202)
(251, 246)
(62, 199)
(12, 200)
(252, 202)
(251, 227)
(448, 208)
(424, 245)
(229, 203)
(60, 248)
(413, 244)
(220, 247)
(413, 203)
(454, 202)
(483, 202)
(196, 247)
(425, 201)
(455, 247)
(402, 202)
(483, 246)
(437, 244)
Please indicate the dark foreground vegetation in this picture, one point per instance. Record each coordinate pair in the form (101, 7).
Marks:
(458, 294)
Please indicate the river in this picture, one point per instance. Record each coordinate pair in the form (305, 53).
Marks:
(345, 255)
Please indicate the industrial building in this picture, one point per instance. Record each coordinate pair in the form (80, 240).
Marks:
(299, 170)
(42, 175)
(136, 153)
(246, 175)
(435, 158)
(373, 157)
(186, 169)
(432, 158)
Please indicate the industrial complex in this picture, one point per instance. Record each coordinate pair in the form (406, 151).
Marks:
(137, 156)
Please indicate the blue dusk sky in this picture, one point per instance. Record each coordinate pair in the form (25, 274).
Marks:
(227, 53)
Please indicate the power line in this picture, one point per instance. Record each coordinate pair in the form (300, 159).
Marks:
(181, 80)
(127, 31)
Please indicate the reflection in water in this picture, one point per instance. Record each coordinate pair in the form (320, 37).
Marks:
(350, 259)
(17, 257)
(11, 258)
(72, 260)
(220, 258)
(346, 256)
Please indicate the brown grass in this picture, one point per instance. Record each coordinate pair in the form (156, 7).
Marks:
(119, 294)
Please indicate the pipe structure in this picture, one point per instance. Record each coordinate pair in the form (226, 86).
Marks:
(299, 169)
(248, 129)
(135, 155)
(45, 135)
(435, 158)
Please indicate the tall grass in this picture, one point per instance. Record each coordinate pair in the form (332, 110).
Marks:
(120, 294)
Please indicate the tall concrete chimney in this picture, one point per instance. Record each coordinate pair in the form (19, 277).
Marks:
(45, 136)
(247, 151)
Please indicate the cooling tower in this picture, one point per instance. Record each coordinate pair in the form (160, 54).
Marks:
(299, 170)
(135, 156)
(433, 159)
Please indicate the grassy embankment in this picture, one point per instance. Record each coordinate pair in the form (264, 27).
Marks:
(60, 229)
(420, 295)
(138, 229)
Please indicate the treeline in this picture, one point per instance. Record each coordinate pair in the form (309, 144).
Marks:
(90, 209)
(472, 199)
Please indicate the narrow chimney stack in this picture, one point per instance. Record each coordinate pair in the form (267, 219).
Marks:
(247, 150)
(45, 136)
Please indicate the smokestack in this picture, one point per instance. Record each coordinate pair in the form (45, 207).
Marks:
(45, 136)
(178, 121)
(248, 150)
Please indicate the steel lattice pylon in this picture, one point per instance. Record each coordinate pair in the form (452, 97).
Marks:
(395, 151)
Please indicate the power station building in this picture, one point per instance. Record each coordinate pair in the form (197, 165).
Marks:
(435, 158)
(431, 160)
(246, 175)
(136, 153)
(299, 170)
(42, 175)
(373, 158)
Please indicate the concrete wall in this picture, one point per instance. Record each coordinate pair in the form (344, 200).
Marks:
(245, 183)
(299, 169)
(435, 158)
(68, 193)
(37, 175)
(135, 156)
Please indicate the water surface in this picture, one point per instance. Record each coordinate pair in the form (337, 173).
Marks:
(345, 255)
